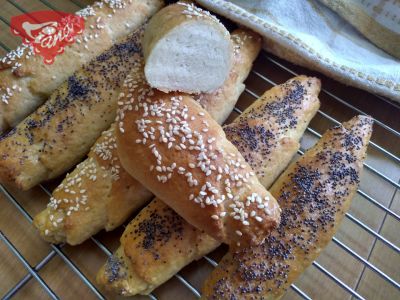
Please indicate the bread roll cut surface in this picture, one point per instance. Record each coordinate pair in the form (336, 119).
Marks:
(314, 193)
(158, 242)
(174, 148)
(99, 193)
(26, 82)
(186, 49)
(59, 133)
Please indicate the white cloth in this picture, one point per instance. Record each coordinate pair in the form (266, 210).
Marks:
(310, 34)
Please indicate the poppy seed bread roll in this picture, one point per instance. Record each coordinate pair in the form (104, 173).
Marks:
(60, 133)
(287, 121)
(314, 192)
(186, 49)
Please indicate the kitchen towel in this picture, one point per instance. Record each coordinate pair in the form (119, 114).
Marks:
(309, 33)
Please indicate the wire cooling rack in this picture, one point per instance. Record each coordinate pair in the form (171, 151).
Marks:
(363, 258)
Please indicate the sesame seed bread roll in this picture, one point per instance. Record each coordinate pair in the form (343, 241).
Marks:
(186, 49)
(170, 144)
(314, 193)
(99, 194)
(26, 82)
(60, 133)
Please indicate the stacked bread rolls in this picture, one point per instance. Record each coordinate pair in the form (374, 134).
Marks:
(26, 82)
(99, 193)
(171, 145)
(210, 182)
(314, 193)
(59, 133)
(158, 242)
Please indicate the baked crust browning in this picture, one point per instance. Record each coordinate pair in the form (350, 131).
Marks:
(99, 193)
(268, 131)
(26, 82)
(174, 148)
(165, 249)
(314, 194)
(59, 133)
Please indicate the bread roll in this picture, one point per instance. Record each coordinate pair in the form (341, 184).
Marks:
(161, 243)
(158, 242)
(26, 82)
(107, 195)
(186, 49)
(314, 194)
(59, 133)
(289, 108)
(171, 145)
(97, 194)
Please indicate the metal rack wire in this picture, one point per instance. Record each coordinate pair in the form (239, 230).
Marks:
(57, 250)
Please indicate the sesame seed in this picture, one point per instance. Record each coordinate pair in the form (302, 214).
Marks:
(258, 219)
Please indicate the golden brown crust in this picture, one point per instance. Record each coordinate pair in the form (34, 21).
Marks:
(155, 245)
(163, 239)
(119, 275)
(33, 82)
(114, 194)
(97, 195)
(59, 133)
(314, 193)
(174, 148)
(157, 225)
(268, 131)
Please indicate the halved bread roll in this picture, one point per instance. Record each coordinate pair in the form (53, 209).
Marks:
(186, 49)
(157, 243)
(314, 193)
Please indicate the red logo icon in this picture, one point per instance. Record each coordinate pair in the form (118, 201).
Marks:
(48, 32)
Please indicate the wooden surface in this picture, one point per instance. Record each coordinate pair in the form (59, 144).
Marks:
(354, 273)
